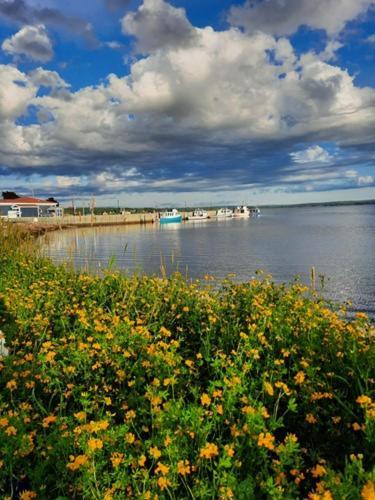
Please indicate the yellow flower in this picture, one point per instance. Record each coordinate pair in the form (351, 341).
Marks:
(205, 399)
(11, 385)
(266, 440)
(27, 495)
(95, 444)
(77, 462)
(81, 415)
(155, 452)
(183, 467)
(50, 356)
(363, 400)
(142, 460)
(49, 420)
(268, 388)
(368, 491)
(10, 431)
(167, 441)
(130, 438)
(163, 483)
(318, 471)
(161, 469)
(4, 422)
(116, 459)
(210, 450)
(310, 418)
(229, 450)
(299, 378)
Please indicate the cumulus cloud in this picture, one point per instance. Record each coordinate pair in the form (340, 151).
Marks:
(313, 154)
(30, 41)
(365, 180)
(44, 78)
(235, 104)
(284, 17)
(157, 24)
(20, 12)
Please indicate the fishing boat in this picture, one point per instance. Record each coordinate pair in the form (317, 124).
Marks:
(170, 216)
(244, 212)
(254, 211)
(241, 212)
(198, 214)
(224, 213)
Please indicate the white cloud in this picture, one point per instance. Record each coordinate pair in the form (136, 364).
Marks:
(196, 103)
(30, 41)
(16, 92)
(365, 180)
(284, 17)
(158, 24)
(44, 78)
(313, 154)
(371, 39)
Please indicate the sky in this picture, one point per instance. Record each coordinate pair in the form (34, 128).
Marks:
(167, 103)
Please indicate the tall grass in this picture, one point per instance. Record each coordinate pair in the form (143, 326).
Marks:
(152, 387)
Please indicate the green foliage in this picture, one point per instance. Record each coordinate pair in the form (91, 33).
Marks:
(121, 387)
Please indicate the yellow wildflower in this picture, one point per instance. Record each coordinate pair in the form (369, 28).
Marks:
(49, 420)
(77, 462)
(363, 400)
(318, 471)
(310, 418)
(205, 399)
(81, 415)
(10, 431)
(266, 440)
(95, 444)
(130, 438)
(268, 388)
(11, 385)
(229, 450)
(163, 483)
(210, 450)
(183, 467)
(27, 495)
(155, 452)
(299, 378)
(116, 459)
(142, 460)
(4, 422)
(167, 441)
(161, 469)
(368, 491)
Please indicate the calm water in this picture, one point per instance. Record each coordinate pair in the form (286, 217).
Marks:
(338, 241)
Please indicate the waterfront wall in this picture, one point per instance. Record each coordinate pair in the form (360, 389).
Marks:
(97, 220)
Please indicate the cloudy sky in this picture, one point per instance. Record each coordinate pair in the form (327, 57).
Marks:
(159, 102)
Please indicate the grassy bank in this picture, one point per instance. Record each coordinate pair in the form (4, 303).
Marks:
(152, 388)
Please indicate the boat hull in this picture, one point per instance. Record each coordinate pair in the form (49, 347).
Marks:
(167, 220)
(204, 217)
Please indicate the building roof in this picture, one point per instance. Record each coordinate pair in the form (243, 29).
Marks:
(26, 201)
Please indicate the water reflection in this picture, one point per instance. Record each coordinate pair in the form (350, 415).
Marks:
(338, 241)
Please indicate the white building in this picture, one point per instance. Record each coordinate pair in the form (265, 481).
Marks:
(29, 207)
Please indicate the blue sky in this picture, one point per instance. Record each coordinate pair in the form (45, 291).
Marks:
(217, 102)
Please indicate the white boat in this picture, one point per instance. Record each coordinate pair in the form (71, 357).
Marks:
(254, 211)
(170, 216)
(198, 214)
(244, 212)
(241, 212)
(224, 213)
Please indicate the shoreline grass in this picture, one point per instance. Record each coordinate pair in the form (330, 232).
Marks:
(148, 387)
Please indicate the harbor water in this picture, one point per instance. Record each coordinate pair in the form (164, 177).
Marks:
(338, 241)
